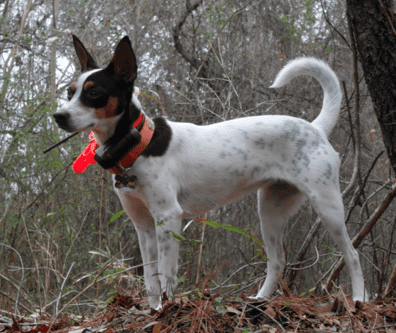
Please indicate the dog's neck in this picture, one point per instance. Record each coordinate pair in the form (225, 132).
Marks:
(104, 132)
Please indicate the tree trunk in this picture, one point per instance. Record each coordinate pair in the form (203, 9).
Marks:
(375, 37)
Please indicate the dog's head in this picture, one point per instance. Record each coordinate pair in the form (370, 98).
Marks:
(100, 98)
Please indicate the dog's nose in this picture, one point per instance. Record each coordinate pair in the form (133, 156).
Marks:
(62, 118)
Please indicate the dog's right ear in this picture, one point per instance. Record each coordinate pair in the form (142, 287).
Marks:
(86, 60)
(123, 63)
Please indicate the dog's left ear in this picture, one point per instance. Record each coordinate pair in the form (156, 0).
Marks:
(123, 63)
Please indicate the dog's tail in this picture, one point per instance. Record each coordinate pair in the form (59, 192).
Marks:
(328, 116)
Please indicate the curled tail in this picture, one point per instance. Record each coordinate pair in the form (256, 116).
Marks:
(318, 69)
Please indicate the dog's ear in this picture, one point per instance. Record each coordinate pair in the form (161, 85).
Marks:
(86, 60)
(123, 63)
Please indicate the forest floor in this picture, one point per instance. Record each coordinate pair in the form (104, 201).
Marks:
(205, 312)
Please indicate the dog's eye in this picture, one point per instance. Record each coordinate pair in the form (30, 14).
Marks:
(94, 93)
(70, 93)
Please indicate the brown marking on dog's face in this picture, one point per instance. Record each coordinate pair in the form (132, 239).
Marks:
(71, 90)
(109, 110)
(88, 84)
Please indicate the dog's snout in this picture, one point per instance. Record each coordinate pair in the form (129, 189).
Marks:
(62, 118)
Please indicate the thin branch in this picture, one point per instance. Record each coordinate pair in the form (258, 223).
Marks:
(357, 95)
(177, 31)
(334, 28)
(95, 281)
(302, 268)
(266, 314)
(13, 300)
(22, 276)
(354, 174)
(389, 19)
(63, 284)
(9, 63)
(391, 284)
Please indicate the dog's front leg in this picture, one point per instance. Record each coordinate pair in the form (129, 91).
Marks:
(145, 228)
(168, 222)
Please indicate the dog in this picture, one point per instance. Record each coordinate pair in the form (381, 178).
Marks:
(183, 170)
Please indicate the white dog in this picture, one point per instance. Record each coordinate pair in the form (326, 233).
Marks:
(182, 170)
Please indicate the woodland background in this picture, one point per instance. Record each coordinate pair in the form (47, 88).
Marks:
(201, 62)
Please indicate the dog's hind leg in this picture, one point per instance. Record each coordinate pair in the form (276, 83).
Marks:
(327, 202)
(277, 201)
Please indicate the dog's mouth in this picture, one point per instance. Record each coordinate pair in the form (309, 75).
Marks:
(87, 128)
(65, 121)
(71, 129)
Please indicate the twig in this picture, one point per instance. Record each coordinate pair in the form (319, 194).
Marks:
(247, 261)
(265, 313)
(391, 284)
(75, 238)
(302, 268)
(60, 142)
(158, 100)
(97, 280)
(389, 19)
(13, 300)
(361, 187)
(63, 284)
(329, 23)
(357, 95)
(56, 299)
(376, 328)
(369, 197)
(40, 195)
(239, 269)
(354, 174)
(22, 276)
(304, 248)
(201, 250)
(100, 220)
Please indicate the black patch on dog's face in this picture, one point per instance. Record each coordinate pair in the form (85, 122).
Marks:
(99, 87)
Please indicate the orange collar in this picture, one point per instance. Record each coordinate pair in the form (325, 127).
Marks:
(88, 154)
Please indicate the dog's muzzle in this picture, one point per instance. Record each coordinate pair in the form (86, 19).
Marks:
(62, 118)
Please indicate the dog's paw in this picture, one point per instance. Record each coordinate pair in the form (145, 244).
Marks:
(363, 299)
(258, 298)
(158, 307)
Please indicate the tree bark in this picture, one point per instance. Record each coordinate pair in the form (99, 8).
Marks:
(375, 38)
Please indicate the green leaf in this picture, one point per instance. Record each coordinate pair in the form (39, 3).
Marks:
(232, 228)
(116, 216)
(179, 237)
(195, 242)
(181, 279)
(211, 223)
